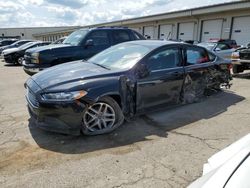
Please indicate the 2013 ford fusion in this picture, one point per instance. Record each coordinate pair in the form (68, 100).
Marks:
(95, 96)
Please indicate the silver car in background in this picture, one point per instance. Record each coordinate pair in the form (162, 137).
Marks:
(221, 49)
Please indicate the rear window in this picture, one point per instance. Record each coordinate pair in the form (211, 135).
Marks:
(211, 56)
(196, 56)
(138, 36)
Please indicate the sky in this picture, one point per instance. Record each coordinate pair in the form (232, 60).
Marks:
(33, 13)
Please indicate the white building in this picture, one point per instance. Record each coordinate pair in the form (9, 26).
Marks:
(225, 21)
(29, 32)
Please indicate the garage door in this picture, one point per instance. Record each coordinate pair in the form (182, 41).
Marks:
(241, 30)
(186, 31)
(148, 32)
(211, 29)
(166, 32)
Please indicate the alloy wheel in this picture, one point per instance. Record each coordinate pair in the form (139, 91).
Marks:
(20, 60)
(100, 116)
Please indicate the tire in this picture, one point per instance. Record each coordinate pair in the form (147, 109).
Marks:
(238, 69)
(102, 117)
(235, 69)
(20, 60)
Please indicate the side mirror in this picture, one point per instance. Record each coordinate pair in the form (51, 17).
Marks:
(217, 49)
(142, 71)
(248, 45)
(89, 42)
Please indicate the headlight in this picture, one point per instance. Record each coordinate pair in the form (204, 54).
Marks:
(63, 96)
(235, 55)
(35, 58)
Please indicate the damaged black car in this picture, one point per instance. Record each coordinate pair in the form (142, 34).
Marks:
(95, 96)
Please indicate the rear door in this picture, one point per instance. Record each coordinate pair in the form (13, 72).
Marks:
(163, 85)
(197, 63)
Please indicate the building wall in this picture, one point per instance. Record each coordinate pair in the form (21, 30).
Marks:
(198, 16)
(27, 33)
(227, 18)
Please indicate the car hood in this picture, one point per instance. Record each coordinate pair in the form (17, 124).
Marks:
(69, 72)
(6, 47)
(10, 50)
(49, 48)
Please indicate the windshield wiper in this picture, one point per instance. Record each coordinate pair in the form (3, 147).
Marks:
(101, 66)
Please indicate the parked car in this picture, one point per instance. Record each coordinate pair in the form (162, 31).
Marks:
(241, 59)
(223, 50)
(16, 55)
(229, 168)
(6, 42)
(59, 41)
(230, 42)
(125, 80)
(81, 44)
(14, 45)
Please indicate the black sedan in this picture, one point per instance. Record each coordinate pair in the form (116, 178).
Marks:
(16, 55)
(95, 96)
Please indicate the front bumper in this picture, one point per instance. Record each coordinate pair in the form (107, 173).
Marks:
(240, 61)
(32, 68)
(60, 118)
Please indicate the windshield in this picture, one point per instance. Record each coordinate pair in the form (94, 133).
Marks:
(26, 45)
(122, 56)
(76, 37)
(207, 45)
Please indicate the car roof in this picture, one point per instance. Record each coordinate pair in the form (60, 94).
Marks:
(107, 28)
(153, 43)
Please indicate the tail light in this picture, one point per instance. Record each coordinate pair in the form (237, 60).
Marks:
(229, 66)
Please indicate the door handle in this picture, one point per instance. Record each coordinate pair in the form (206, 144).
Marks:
(176, 74)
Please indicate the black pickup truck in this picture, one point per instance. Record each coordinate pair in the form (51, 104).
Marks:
(81, 44)
(241, 59)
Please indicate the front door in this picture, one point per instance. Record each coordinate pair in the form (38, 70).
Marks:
(163, 85)
(101, 42)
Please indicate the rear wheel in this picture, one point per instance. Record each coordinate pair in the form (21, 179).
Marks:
(102, 117)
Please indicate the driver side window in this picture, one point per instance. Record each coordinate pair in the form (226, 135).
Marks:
(99, 38)
(163, 59)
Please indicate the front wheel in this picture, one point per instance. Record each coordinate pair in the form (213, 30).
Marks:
(238, 69)
(102, 117)
(20, 60)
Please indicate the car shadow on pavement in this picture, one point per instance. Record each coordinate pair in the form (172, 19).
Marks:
(142, 128)
(11, 65)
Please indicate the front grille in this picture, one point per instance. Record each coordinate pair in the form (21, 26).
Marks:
(245, 55)
(8, 58)
(32, 98)
(27, 58)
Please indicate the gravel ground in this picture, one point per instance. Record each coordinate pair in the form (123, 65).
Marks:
(161, 149)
